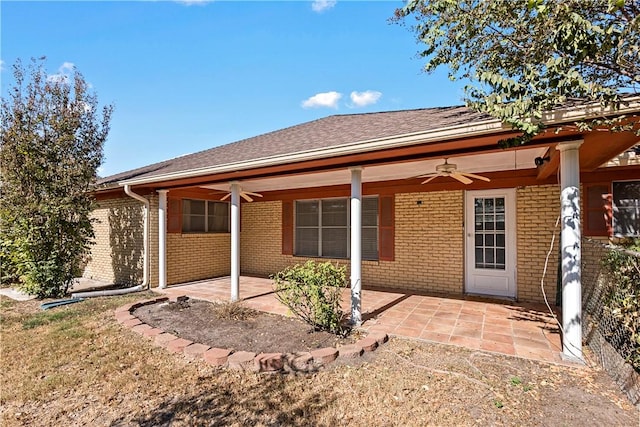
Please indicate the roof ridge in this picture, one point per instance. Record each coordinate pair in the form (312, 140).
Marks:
(404, 110)
(333, 130)
(229, 144)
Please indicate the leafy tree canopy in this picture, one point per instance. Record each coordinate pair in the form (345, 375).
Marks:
(52, 137)
(527, 57)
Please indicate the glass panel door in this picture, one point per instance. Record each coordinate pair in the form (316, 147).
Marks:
(490, 242)
(489, 234)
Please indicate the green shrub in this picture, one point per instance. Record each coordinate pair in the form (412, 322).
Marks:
(51, 143)
(622, 301)
(312, 292)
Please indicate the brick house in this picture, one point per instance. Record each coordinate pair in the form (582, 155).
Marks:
(257, 205)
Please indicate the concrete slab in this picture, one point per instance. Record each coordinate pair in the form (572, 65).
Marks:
(15, 294)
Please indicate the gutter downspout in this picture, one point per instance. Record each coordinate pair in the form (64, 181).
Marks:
(145, 232)
(145, 261)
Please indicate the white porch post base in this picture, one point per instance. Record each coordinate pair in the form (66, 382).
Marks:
(235, 241)
(162, 238)
(356, 245)
(571, 251)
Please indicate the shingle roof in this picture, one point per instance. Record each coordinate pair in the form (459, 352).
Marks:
(323, 133)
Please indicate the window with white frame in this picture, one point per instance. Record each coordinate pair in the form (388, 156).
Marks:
(626, 208)
(322, 228)
(202, 216)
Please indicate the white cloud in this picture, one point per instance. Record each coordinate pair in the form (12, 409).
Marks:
(362, 99)
(324, 99)
(64, 72)
(320, 6)
(1, 65)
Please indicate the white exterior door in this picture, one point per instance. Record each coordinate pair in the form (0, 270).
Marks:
(490, 242)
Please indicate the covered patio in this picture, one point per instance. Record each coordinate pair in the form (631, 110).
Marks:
(523, 330)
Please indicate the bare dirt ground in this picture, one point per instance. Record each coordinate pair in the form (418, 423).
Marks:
(75, 365)
(236, 327)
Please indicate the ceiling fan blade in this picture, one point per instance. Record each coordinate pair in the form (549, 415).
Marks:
(253, 194)
(226, 196)
(426, 175)
(431, 179)
(246, 197)
(473, 175)
(463, 179)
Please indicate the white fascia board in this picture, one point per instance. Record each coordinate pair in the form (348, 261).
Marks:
(589, 111)
(565, 115)
(478, 128)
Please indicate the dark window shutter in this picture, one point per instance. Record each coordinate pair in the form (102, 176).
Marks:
(386, 228)
(598, 210)
(174, 215)
(287, 227)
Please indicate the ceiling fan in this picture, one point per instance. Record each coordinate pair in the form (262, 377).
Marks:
(247, 195)
(450, 170)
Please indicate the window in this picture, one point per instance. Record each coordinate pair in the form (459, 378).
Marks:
(370, 228)
(201, 216)
(322, 228)
(626, 208)
(612, 209)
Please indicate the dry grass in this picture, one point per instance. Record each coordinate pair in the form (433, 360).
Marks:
(75, 365)
(234, 311)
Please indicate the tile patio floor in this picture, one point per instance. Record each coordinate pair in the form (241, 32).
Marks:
(524, 330)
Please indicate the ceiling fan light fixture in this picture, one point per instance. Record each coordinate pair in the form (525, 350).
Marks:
(450, 170)
(247, 195)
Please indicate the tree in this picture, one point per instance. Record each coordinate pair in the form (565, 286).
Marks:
(524, 58)
(52, 137)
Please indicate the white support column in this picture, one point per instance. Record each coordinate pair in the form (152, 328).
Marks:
(162, 238)
(356, 245)
(571, 252)
(235, 241)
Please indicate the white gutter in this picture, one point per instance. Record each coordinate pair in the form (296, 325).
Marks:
(107, 293)
(573, 114)
(459, 131)
(479, 128)
(145, 244)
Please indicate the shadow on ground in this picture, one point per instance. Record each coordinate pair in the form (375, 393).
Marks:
(267, 400)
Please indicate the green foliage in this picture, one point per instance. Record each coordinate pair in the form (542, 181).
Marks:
(525, 58)
(312, 292)
(52, 140)
(623, 298)
(47, 317)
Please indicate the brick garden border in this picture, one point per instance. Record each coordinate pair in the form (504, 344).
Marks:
(244, 360)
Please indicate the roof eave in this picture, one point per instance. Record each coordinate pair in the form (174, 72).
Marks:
(460, 131)
(480, 128)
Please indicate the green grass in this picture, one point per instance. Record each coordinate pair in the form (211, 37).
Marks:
(50, 316)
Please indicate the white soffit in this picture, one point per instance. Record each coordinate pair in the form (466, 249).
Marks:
(476, 163)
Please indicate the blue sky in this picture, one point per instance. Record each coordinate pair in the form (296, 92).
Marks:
(187, 76)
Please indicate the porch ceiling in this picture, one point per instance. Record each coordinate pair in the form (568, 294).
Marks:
(475, 163)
